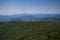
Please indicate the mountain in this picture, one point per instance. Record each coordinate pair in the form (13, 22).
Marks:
(30, 30)
(31, 17)
(5, 18)
(26, 18)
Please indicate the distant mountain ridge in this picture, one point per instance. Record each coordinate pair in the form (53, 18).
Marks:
(31, 17)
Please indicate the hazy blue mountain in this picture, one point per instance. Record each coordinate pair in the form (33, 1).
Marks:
(30, 17)
(27, 17)
(5, 18)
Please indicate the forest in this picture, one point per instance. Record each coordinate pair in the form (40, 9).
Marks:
(34, 30)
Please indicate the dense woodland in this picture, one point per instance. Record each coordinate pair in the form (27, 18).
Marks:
(29, 30)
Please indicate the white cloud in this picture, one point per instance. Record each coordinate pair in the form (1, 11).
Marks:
(18, 11)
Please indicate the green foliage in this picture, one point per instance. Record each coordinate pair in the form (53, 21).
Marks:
(29, 30)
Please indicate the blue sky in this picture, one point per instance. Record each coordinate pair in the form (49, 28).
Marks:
(8, 7)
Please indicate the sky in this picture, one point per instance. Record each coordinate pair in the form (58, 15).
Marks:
(9, 7)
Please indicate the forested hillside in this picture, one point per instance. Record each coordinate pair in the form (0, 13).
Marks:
(29, 30)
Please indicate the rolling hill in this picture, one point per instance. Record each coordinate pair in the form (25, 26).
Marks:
(36, 30)
(31, 17)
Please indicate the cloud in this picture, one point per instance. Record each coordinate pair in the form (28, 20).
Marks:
(18, 11)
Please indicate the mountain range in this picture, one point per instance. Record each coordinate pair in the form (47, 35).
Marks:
(31, 17)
